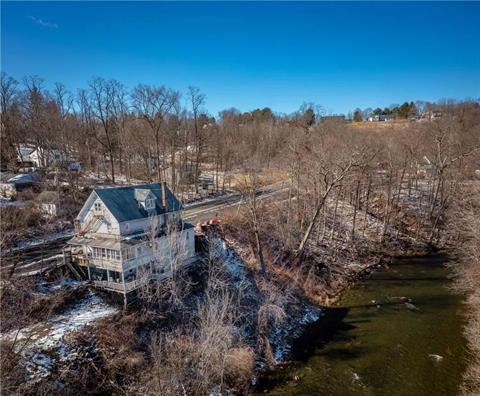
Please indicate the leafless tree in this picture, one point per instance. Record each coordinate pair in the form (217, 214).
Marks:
(153, 104)
(197, 100)
(106, 97)
(248, 187)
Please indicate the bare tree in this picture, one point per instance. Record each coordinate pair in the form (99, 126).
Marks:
(164, 281)
(153, 104)
(334, 161)
(248, 188)
(106, 106)
(197, 100)
(10, 119)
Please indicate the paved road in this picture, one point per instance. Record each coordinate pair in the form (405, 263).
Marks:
(31, 259)
(212, 209)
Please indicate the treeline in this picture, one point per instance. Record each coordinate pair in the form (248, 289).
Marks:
(155, 133)
(350, 194)
(148, 132)
(404, 111)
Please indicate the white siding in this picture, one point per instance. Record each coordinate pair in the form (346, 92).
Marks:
(163, 251)
(133, 226)
(86, 217)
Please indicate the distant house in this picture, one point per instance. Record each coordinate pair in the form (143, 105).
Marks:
(50, 203)
(432, 115)
(126, 236)
(73, 166)
(206, 182)
(40, 157)
(27, 158)
(381, 117)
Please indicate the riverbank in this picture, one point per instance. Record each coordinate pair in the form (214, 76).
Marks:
(333, 263)
(230, 321)
(464, 222)
(398, 332)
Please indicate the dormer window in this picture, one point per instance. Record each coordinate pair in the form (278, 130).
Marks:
(149, 203)
(145, 198)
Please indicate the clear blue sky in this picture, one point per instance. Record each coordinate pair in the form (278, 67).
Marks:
(248, 55)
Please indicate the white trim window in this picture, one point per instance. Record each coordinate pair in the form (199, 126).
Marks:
(98, 206)
(149, 203)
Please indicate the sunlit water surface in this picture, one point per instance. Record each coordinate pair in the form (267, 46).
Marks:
(398, 333)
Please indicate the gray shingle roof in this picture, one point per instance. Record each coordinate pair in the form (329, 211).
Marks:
(122, 202)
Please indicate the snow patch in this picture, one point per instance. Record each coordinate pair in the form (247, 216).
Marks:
(235, 266)
(50, 334)
(32, 242)
(39, 342)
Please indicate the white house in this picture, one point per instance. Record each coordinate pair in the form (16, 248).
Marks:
(40, 157)
(126, 236)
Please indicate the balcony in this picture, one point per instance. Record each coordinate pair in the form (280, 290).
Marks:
(108, 264)
(129, 286)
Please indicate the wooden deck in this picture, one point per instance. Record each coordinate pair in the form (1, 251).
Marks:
(128, 287)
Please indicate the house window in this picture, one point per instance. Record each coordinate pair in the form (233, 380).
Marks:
(126, 226)
(98, 206)
(149, 204)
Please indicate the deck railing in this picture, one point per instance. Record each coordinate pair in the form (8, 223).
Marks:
(137, 283)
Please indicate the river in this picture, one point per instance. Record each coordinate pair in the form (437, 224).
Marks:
(397, 333)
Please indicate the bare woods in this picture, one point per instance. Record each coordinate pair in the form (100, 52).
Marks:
(350, 194)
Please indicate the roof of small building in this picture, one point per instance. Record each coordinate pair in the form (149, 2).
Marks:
(123, 204)
(24, 178)
(26, 151)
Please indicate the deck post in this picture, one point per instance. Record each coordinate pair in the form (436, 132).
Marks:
(124, 291)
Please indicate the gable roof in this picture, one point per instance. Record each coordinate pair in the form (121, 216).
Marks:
(122, 201)
(26, 151)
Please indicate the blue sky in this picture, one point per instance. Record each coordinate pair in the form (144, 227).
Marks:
(248, 55)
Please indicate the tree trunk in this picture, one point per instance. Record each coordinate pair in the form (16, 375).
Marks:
(112, 165)
(259, 249)
(307, 234)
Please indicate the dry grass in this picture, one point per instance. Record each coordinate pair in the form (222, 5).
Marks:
(465, 225)
(11, 371)
(204, 355)
(21, 306)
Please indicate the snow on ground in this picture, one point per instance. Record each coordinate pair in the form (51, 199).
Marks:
(37, 342)
(50, 334)
(213, 198)
(4, 202)
(28, 243)
(45, 287)
(232, 262)
(293, 330)
(283, 333)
